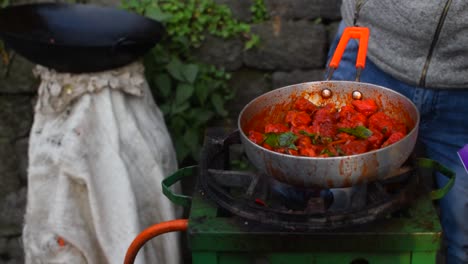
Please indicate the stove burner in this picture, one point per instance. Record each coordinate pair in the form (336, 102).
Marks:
(260, 198)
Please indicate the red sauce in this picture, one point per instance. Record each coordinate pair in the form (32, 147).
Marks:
(305, 129)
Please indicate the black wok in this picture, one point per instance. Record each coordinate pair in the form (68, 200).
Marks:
(77, 38)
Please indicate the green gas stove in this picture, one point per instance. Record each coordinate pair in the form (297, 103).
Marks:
(215, 236)
(242, 217)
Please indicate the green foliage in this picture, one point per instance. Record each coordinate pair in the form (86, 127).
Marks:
(317, 21)
(259, 11)
(4, 3)
(190, 94)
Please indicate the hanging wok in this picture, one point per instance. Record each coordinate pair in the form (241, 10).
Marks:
(77, 38)
(338, 171)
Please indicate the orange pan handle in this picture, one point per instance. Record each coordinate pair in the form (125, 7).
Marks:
(151, 232)
(361, 33)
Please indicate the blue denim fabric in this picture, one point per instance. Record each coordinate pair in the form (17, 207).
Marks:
(443, 131)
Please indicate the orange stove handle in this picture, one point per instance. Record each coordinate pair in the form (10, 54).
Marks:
(151, 232)
(361, 33)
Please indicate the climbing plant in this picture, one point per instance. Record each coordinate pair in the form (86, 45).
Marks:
(189, 93)
(4, 3)
(259, 11)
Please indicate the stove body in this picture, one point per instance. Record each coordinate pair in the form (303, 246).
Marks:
(219, 237)
(220, 231)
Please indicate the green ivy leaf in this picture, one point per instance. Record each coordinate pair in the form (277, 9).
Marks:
(4, 3)
(154, 12)
(179, 108)
(252, 42)
(165, 108)
(218, 104)
(175, 68)
(201, 116)
(317, 21)
(189, 94)
(163, 84)
(182, 150)
(183, 92)
(132, 4)
(190, 72)
(202, 92)
(178, 123)
(191, 138)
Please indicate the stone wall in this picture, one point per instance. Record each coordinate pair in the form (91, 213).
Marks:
(17, 86)
(293, 49)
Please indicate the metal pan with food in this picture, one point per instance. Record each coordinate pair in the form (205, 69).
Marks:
(330, 134)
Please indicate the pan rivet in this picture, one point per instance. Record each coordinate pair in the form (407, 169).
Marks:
(357, 95)
(326, 93)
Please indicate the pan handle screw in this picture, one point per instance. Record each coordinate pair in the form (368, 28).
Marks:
(326, 93)
(357, 95)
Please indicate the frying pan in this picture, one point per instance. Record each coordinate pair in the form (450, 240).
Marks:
(330, 172)
(77, 38)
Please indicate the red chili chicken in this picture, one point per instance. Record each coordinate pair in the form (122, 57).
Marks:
(324, 131)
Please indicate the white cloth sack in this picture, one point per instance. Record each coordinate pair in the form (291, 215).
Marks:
(98, 151)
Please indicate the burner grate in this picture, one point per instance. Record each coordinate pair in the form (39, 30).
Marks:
(257, 197)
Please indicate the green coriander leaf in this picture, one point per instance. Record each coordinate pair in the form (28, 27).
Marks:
(359, 131)
(278, 140)
(287, 139)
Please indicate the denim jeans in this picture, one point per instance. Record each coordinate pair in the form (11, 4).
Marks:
(443, 131)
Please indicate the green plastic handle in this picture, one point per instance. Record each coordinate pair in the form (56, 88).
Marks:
(434, 165)
(179, 199)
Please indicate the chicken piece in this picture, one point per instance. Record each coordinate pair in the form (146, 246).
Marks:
(328, 130)
(395, 137)
(386, 125)
(355, 147)
(293, 152)
(303, 104)
(298, 130)
(325, 120)
(304, 141)
(382, 123)
(367, 107)
(376, 139)
(326, 114)
(349, 118)
(265, 145)
(308, 152)
(345, 136)
(399, 127)
(256, 137)
(276, 128)
(298, 118)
